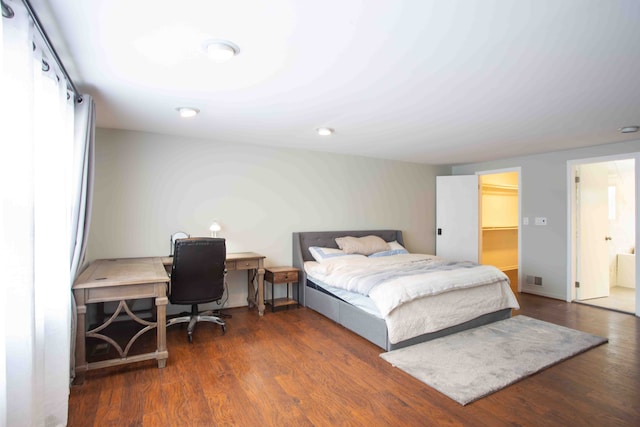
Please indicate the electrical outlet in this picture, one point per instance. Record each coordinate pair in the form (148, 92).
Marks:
(541, 220)
(530, 280)
(100, 349)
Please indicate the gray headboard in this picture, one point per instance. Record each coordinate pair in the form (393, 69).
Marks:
(304, 239)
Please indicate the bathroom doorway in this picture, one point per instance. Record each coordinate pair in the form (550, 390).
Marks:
(603, 226)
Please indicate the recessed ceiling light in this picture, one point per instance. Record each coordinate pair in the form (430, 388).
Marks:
(324, 131)
(187, 112)
(220, 50)
(629, 129)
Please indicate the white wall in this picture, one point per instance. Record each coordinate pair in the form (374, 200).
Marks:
(544, 192)
(148, 186)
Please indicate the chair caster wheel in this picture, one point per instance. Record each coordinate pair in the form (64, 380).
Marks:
(224, 329)
(190, 339)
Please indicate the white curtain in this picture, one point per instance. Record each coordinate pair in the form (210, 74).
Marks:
(37, 152)
(82, 182)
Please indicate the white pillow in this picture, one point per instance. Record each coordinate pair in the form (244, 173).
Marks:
(322, 254)
(395, 248)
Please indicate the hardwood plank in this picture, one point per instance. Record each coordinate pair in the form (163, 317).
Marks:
(227, 398)
(296, 367)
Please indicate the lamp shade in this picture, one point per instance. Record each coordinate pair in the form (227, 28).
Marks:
(214, 228)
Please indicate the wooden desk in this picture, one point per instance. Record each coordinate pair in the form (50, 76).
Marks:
(120, 280)
(250, 261)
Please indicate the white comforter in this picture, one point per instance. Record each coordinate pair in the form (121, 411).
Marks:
(395, 280)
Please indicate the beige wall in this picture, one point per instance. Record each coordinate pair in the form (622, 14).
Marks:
(148, 186)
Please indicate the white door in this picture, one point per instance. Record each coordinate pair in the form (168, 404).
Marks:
(457, 217)
(593, 226)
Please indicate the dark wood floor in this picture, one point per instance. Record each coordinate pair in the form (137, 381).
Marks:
(297, 368)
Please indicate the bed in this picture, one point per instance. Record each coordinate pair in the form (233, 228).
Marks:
(436, 315)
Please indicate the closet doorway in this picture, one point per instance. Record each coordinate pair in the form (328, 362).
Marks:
(477, 219)
(499, 222)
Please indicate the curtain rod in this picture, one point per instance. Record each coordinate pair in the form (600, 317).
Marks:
(45, 37)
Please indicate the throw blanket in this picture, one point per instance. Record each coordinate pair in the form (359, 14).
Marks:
(395, 280)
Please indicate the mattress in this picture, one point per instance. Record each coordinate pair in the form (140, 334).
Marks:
(433, 313)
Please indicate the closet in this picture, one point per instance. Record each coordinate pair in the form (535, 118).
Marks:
(499, 223)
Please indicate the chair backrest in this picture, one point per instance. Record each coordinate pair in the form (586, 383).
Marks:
(198, 270)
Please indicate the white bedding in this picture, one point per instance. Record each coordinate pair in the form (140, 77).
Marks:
(417, 293)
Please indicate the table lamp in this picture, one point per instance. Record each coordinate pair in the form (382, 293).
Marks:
(215, 227)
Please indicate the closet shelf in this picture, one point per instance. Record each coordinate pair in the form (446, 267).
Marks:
(501, 186)
(510, 227)
(500, 189)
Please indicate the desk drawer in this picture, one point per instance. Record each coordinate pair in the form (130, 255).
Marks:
(281, 277)
(117, 293)
(245, 264)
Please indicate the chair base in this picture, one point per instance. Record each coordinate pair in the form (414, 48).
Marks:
(221, 315)
(195, 317)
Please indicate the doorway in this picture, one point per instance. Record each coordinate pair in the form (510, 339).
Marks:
(603, 228)
(481, 225)
(499, 223)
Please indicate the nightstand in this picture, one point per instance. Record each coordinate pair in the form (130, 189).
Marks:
(282, 275)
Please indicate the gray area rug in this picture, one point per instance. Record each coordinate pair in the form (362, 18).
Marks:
(477, 362)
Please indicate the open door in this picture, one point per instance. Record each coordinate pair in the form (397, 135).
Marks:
(457, 217)
(592, 229)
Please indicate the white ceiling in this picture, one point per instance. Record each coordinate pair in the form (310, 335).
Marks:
(428, 81)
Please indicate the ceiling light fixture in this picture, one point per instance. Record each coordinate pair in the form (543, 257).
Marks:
(324, 131)
(186, 112)
(220, 50)
(629, 129)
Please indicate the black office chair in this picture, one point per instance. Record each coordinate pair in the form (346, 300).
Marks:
(198, 277)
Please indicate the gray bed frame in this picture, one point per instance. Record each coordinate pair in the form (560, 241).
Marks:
(362, 323)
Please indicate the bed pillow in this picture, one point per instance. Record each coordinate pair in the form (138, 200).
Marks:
(322, 254)
(395, 248)
(366, 245)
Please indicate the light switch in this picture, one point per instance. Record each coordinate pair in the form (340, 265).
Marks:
(541, 220)
(525, 220)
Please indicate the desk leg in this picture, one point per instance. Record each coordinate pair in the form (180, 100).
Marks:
(258, 275)
(261, 290)
(251, 290)
(81, 354)
(161, 327)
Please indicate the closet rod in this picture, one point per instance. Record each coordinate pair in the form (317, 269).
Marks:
(45, 37)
